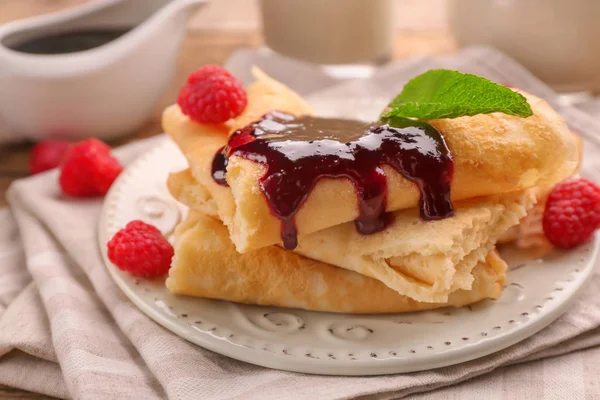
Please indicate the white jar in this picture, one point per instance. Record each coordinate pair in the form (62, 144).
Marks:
(557, 40)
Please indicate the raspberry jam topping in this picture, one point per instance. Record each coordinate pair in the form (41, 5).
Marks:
(300, 151)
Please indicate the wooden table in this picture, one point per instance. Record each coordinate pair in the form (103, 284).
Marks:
(199, 48)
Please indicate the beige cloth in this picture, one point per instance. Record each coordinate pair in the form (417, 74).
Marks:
(66, 330)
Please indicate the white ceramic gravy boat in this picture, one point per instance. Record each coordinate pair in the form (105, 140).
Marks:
(104, 92)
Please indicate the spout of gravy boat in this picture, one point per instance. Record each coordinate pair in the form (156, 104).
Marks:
(102, 91)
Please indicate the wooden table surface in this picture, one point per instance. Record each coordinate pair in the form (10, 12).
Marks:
(200, 47)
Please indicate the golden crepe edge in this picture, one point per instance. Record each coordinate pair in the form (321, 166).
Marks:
(206, 264)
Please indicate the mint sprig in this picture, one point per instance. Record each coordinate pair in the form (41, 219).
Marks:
(443, 93)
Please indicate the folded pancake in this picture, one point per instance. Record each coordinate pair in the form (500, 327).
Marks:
(493, 154)
(206, 264)
(422, 260)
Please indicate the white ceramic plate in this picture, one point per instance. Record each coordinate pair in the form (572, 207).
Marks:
(537, 292)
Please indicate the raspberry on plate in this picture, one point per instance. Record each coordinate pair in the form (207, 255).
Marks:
(212, 95)
(47, 155)
(141, 250)
(572, 213)
(88, 169)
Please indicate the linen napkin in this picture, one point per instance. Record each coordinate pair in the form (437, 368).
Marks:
(66, 330)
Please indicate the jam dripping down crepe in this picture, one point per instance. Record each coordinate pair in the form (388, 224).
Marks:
(492, 154)
(298, 151)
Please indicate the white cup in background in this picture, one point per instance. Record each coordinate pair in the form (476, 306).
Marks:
(330, 32)
(557, 40)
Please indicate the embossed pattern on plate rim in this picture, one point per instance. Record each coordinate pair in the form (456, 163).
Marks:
(318, 359)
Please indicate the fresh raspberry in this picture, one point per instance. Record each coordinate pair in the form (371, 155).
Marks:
(88, 169)
(141, 250)
(212, 95)
(46, 155)
(572, 213)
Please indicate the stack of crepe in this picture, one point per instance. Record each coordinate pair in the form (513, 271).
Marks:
(229, 247)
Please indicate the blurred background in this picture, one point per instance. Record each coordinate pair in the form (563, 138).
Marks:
(222, 26)
(244, 15)
(117, 91)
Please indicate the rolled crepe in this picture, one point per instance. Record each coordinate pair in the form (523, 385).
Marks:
(423, 260)
(206, 264)
(493, 154)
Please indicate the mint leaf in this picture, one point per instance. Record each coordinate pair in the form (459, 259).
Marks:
(442, 93)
